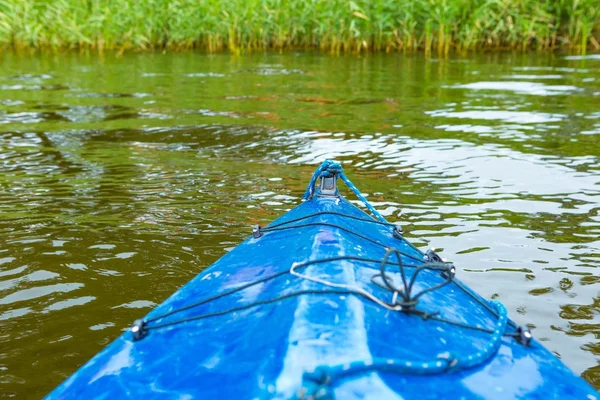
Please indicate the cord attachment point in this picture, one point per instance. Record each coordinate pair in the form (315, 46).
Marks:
(398, 231)
(524, 335)
(450, 273)
(328, 186)
(433, 257)
(139, 329)
(257, 231)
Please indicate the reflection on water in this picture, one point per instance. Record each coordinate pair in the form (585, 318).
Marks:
(523, 87)
(122, 178)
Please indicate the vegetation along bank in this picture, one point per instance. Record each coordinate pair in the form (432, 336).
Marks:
(438, 26)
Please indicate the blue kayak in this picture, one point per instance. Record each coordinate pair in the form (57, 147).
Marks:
(326, 302)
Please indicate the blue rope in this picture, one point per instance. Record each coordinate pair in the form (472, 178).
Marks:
(330, 169)
(322, 170)
(319, 383)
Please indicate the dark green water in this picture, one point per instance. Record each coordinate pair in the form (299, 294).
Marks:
(123, 177)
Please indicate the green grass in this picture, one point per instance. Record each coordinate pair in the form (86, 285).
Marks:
(439, 26)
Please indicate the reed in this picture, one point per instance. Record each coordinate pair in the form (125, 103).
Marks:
(435, 26)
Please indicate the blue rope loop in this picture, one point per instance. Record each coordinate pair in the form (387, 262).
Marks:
(320, 382)
(330, 168)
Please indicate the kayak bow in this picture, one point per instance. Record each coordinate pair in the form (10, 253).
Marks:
(326, 302)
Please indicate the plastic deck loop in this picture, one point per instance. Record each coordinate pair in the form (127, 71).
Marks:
(319, 384)
(329, 169)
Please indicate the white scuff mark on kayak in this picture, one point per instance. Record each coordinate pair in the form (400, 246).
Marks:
(370, 387)
(173, 394)
(514, 384)
(251, 293)
(325, 335)
(331, 304)
(119, 361)
(211, 275)
(213, 360)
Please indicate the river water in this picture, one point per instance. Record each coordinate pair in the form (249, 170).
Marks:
(123, 177)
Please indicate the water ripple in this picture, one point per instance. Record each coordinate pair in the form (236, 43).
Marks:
(117, 186)
(523, 87)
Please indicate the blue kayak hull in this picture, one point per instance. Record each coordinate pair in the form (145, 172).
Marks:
(264, 348)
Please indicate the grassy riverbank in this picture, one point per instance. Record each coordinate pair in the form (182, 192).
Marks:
(330, 25)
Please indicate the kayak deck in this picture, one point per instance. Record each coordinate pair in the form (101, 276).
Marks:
(293, 312)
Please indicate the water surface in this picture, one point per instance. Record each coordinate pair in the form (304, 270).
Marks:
(123, 177)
